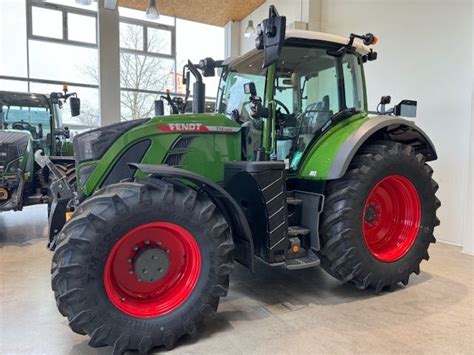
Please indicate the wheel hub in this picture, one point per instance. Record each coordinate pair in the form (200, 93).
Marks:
(371, 214)
(152, 269)
(151, 265)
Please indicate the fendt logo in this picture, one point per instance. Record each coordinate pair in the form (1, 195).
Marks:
(181, 127)
(186, 127)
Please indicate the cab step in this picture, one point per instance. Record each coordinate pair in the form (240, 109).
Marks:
(294, 206)
(296, 231)
(311, 260)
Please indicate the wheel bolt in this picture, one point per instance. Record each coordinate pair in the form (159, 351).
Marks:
(130, 272)
(158, 242)
(145, 271)
(129, 261)
(153, 257)
(147, 242)
(167, 251)
(123, 299)
(135, 248)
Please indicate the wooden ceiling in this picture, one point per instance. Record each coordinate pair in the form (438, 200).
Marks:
(212, 12)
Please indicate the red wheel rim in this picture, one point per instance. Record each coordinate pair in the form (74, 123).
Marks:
(391, 218)
(178, 251)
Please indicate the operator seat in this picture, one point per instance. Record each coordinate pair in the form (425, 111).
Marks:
(316, 115)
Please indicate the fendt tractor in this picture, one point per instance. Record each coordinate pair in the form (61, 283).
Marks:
(29, 122)
(291, 171)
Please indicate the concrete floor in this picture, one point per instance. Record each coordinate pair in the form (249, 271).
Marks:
(274, 311)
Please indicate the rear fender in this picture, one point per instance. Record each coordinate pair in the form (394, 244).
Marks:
(330, 157)
(382, 127)
(244, 248)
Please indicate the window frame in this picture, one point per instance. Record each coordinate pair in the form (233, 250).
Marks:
(65, 10)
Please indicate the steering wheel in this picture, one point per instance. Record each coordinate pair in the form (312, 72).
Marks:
(25, 126)
(283, 106)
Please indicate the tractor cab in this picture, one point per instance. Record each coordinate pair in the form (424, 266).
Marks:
(29, 122)
(314, 86)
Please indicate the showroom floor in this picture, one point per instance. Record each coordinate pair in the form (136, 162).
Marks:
(274, 311)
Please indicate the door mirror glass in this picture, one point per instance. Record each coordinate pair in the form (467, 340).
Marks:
(75, 104)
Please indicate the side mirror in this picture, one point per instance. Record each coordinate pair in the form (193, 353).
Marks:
(406, 108)
(67, 133)
(75, 104)
(271, 36)
(249, 88)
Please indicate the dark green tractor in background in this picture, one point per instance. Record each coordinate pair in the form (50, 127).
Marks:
(29, 122)
(291, 171)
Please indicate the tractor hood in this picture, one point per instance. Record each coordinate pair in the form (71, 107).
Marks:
(197, 142)
(13, 146)
(93, 144)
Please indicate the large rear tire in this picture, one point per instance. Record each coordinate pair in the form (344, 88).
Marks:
(378, 219)
(141, 264)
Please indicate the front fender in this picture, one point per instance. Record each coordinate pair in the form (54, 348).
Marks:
(244, 248)
(330, 160)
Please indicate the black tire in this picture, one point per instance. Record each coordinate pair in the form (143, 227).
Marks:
(98, 224)
(69, 170)
(345, 253)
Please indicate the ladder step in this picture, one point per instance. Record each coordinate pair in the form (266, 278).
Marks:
(294, 201)
(310, 260)
(295, 231)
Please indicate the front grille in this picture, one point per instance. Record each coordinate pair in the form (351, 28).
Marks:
(174, 159)
(178, 150)
(12, 146)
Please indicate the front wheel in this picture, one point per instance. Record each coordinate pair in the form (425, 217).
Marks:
(141, 264)
(378, 219)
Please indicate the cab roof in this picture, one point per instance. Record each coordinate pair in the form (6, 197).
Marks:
(10, 98)
(326, 37)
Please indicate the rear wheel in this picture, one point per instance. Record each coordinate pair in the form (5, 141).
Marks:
(378, 219)
(141, 264)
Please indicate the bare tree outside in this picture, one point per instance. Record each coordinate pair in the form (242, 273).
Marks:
(139, 72)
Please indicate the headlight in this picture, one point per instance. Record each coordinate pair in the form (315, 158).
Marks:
(85, 173)
(93, 144)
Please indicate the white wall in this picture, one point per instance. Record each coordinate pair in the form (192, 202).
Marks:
(424, 54)
(468, 230)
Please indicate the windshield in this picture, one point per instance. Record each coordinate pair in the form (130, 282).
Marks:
(32, 119)
(311, 86)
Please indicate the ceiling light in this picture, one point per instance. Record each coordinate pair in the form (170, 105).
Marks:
(250, 30)
(152, 10)
(84, 2)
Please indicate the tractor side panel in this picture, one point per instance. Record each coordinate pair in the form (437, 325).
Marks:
(318, 160)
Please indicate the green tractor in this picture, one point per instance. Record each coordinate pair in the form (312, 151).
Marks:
(29, 122)
(291, 171)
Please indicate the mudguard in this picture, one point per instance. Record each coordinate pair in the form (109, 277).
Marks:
(244, 248)
(330, 159)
